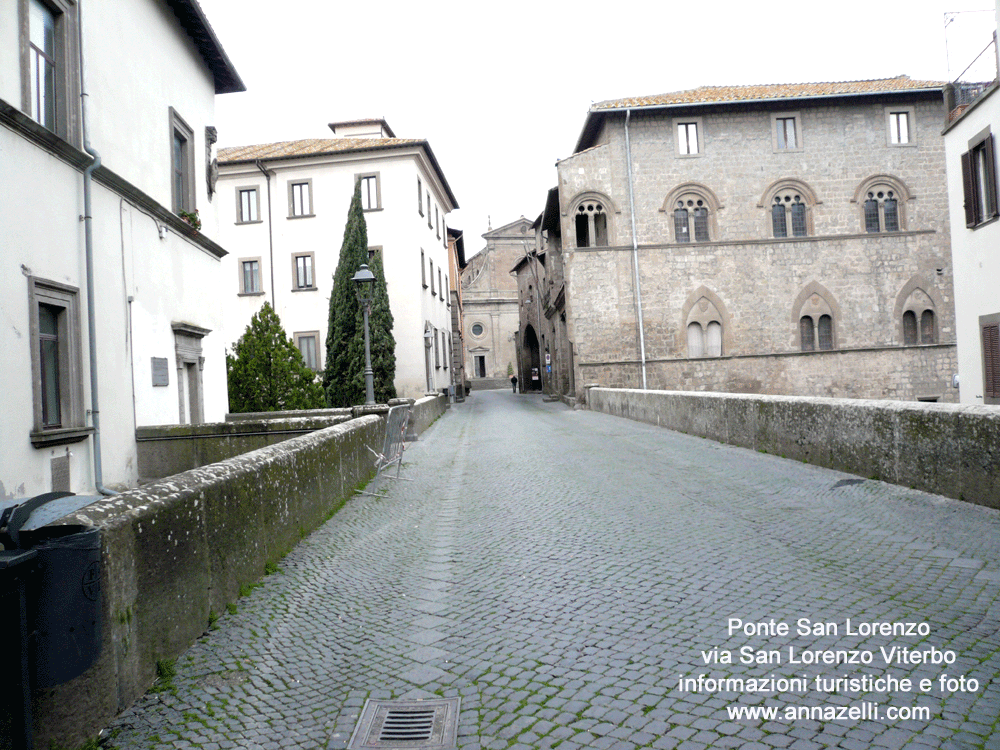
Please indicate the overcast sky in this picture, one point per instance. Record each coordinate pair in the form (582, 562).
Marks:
(501, 90)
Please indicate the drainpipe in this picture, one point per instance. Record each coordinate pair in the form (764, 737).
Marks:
(270, 231)
(88, 235)
(635, 249)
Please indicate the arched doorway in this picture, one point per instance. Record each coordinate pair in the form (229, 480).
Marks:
(531, 357)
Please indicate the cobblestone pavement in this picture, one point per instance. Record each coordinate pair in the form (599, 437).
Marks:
(560, 570)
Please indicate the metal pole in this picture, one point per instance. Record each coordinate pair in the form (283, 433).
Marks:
(369, 374)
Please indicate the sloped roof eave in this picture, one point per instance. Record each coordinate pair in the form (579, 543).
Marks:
(376, 145)
(194, 21)
(596, 113)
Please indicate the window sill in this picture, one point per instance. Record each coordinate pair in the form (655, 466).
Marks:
(250, 294)
(982, 224)
(690, 156)
(303, 216)
(370, 210)
(306, 289)
(64, 436)
(241, 223)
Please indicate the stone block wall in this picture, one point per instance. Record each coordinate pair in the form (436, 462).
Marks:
(946, 449)
(908, 373)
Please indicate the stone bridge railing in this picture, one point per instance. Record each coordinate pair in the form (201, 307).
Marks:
(947, 449)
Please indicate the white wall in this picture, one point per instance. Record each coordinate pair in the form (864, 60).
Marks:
(139, 64)
(975, 254)
(398, 228)
(129, 103)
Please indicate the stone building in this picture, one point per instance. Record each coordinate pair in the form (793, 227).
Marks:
(970, 144)
(785, 239)
(283, 211)
(489, 294)
(544, 354)
(456, 262)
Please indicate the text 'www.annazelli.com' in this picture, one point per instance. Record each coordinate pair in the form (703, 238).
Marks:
(864, 711)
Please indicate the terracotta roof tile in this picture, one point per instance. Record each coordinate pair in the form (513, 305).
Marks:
(712, 94)
(311, 147)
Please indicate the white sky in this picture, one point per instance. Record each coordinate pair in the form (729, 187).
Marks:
(501, 89)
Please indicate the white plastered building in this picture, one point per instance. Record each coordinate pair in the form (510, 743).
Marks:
(282, 214)
(150, 70)
(971, 150)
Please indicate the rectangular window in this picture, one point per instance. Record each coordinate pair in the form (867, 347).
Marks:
(247, 205)
(56, 363)
(440, 286)
(687, 138)
(181, 164)
(429, 225)
(250, 276)
(42, 62)
(373, 251)
(444, 349)
(785, 132)
(437, 353)
(423, 270)
(899, 128)
(420, 197)
(431, 264)
(437, 222)
(50, 65)
(303, 270)
(979, 180)
(446, 289)
(308, 345)
(990, 329)
(300, 199)
(371, 199)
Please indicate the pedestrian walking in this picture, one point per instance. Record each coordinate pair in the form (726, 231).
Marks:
(513, 383)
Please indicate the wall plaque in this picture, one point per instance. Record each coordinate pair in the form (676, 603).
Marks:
(161, 371)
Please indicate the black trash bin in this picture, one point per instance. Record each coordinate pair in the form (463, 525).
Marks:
(64, 603)
(15, 687)
(64, 586)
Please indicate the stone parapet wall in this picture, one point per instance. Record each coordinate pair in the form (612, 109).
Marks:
(170, 449)
(178, 551)
(946, 449)
(426, 410)
(896, 373)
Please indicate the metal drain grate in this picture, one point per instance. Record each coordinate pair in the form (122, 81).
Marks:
(423, 724)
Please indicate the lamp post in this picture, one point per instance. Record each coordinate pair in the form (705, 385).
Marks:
(365, 286)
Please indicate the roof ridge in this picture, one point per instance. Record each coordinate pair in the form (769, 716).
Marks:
(711, 93)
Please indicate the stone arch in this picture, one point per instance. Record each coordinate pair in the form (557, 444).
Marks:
(815, 301)
(878, 186)
(918, 295)
(585, 212)
(786, 192)
(704, 307)
(696, 194)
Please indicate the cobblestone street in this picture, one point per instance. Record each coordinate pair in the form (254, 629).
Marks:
(560, 570)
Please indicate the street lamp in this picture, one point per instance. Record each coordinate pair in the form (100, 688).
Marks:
(365, 287)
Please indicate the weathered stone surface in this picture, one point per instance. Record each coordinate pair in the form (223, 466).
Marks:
(947, 449)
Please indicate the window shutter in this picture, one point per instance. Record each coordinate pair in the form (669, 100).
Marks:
(991, 360)
(990, 188)
(969, 189)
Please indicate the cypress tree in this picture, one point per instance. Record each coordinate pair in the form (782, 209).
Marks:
(266, 371)
(344, 377)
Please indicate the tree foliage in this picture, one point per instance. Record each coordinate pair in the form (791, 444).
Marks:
(344, 377)
(266, 371)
